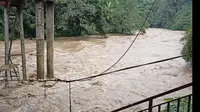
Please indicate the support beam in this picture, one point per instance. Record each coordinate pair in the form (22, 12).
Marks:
(20, 15)
(6, 39)
(40, 38)
(50, 37)
(40, 58)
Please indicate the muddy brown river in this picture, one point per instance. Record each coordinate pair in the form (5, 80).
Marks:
(82, 56)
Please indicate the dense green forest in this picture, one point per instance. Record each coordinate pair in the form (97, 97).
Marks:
(87, 17)
(172, 14)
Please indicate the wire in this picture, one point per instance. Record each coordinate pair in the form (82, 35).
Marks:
(54, 84)
(126, 68)
(118, 70)
(45, 89)
(132, 41)
(70, 98)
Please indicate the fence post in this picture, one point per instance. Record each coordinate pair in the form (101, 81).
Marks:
(150, 105)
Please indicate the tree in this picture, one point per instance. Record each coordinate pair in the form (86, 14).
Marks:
(182, 18)
(29, 19)
(171, 14)
(86, 17)
(126, 18)
(187, 49)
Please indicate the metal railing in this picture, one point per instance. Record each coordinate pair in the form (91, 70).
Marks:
(150, 100)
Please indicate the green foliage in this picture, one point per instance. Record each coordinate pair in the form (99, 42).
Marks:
(182, 18)
(13, 23)
(29, 19)
(1, 37)
(73, 17)
(1, 23)
(187, 49)
(171, 14)
(173, 105)
(126, 18)
(13, 19)
(175, 15)
(144, 7)
(87, 17)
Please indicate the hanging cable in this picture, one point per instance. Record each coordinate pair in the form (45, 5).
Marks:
(131, 67)
(70, 98)
(133, 39)
(118, 70)
(45, 89)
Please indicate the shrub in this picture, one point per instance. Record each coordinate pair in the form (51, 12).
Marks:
(183, 105)
(187, 49)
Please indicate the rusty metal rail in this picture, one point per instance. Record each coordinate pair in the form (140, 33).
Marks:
(150, 100)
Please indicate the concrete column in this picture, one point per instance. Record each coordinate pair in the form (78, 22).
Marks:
(21, 26)
(50, 37)
(40, 38)
(6, 39)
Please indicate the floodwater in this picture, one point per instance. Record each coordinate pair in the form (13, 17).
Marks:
(80, 57)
